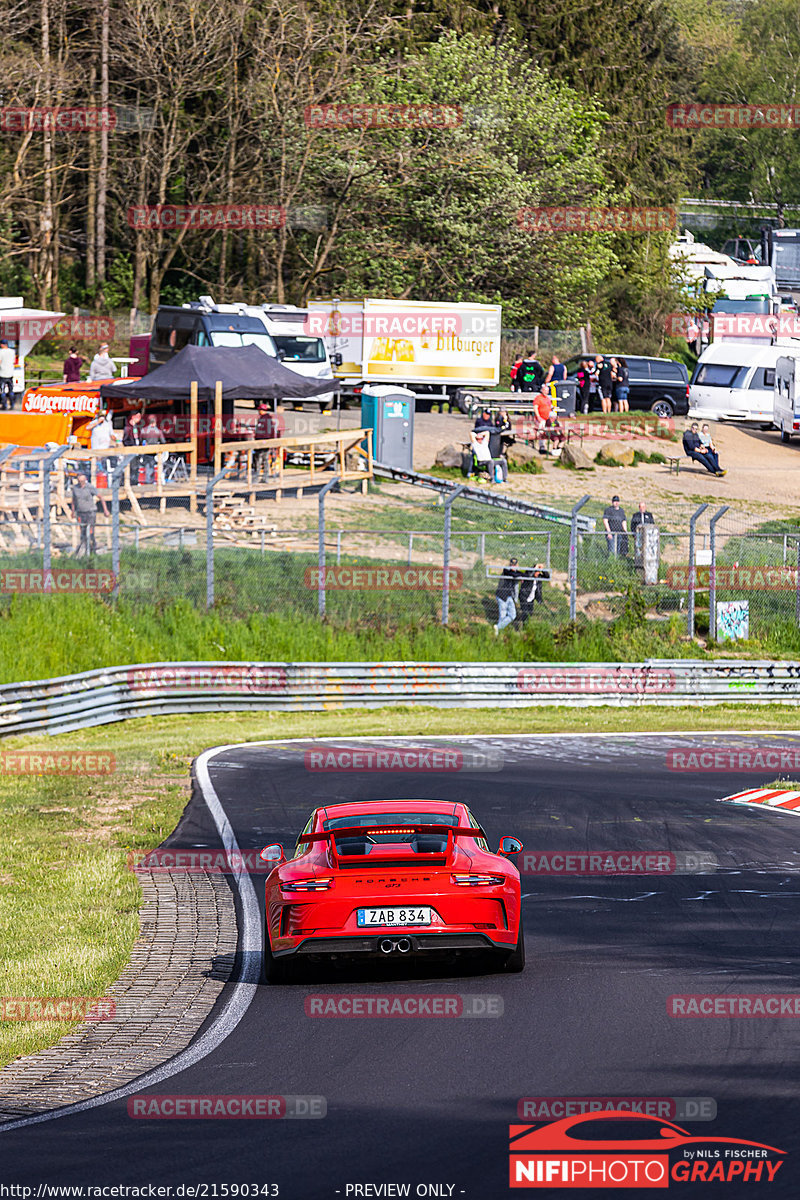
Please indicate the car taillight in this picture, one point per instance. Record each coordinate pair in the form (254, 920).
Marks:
(478, 880)
(687, 391)
(307, 885)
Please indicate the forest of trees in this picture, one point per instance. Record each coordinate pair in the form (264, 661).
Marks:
(560, 102)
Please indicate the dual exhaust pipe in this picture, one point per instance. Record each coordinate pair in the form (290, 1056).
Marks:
(390, 945)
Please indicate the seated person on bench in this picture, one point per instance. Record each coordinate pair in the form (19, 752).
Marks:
(693, 448)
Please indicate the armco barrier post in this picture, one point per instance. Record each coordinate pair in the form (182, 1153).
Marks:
(692, 569)
(712, 588)
(321, 557)
(117, 477)
(448, 516)
(46, 465)
(212, 483)
(573, 556)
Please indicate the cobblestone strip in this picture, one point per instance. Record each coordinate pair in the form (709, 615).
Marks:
(181, 961)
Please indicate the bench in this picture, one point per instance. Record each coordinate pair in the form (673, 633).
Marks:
(673, 464)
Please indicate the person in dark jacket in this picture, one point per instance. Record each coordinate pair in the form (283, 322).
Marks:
(132, 436)
(530, 591)
(530, 375)
(505, 593)
(503, 426)
(582, 379)
(72, 366)
(693, 448)
(620, 377)
(605, 382)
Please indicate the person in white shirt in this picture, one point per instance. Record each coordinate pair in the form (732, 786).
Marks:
(102, 366)
(7, 358)
(101, 437)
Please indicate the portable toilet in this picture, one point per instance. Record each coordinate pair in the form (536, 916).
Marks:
(389, 412)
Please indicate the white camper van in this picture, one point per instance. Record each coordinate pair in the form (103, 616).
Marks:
(298, 347)
(734, 381)
(786, 413)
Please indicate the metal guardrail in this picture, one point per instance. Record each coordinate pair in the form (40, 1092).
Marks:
(153, 689)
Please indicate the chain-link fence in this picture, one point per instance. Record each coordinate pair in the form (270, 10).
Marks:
(720, 571)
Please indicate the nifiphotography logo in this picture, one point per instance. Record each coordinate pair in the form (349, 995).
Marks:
(622, 1149)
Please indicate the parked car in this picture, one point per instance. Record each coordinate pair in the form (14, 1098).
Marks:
(734, 381)
(659, 385)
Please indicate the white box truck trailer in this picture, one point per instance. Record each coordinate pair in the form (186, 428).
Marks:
(436, 350)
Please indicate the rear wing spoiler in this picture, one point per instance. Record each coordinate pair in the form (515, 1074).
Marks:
(452, 831)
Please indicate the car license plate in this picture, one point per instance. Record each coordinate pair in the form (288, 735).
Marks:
(412, 915)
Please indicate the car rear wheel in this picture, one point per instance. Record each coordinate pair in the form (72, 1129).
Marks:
(785, 436)
(516, 959)
(276, 970)
(663, 408)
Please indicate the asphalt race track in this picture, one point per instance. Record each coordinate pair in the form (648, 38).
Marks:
(429, 1101)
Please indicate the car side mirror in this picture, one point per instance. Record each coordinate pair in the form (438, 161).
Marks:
(509, 845)
(273, 854)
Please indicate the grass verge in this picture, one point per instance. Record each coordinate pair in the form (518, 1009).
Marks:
(68, 904)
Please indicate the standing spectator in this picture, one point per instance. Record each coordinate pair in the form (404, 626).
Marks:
(72, 366)
(605, 383)
(84, 508)
(530, 375)
(616, 527)
(515, 366)
(583, 378)
(593, 385)
(503, 427)
(101, 437)
(693, 448)
(151, 436)
(7, 359)
(556, 372)
(621, 375)
(530, 591)
(132, 436)
(506, 592)
(102, 367)
(263, 432)
(642, 516)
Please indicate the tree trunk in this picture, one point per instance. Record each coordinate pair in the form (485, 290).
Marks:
(102, 173)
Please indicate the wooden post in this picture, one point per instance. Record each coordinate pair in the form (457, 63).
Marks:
(218, 427)
(193, 451)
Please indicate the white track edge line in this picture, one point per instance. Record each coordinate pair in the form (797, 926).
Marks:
(244, 988)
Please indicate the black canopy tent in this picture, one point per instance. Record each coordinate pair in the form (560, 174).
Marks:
(246, 373)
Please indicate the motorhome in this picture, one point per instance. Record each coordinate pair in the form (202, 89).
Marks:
(786, 403)
(22, 328)
(734, 381)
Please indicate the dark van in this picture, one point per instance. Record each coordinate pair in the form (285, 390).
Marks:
(196, 325)
(658, 385)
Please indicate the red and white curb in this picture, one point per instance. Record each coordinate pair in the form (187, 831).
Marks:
(778, 798)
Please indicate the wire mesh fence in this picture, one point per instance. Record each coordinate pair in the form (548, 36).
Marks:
(741, 577)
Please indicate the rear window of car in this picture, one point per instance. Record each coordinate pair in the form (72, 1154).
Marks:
(390, 820)
(666, 371)
(722, 375)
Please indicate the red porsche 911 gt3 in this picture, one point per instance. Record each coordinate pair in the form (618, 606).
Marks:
(391, 877)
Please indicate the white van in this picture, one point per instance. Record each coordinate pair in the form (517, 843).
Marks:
(786, 414)
(299, 348)
(734, 381)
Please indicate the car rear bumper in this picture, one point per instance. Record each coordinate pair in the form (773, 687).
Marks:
(421, 943)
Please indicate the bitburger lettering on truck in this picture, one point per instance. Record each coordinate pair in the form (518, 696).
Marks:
(437, 350)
